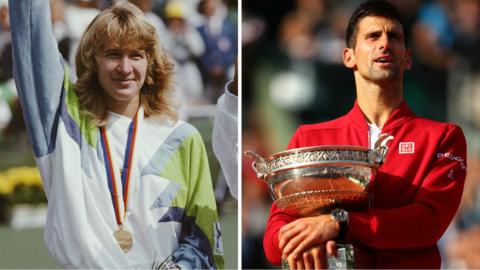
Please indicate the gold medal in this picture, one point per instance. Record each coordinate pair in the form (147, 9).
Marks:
(124, 239)
(120, 197)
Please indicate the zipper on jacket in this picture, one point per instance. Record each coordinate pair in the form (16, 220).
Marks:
(369, 136)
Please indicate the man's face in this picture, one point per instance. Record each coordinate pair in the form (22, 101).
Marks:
(379, 54)
(121, 73)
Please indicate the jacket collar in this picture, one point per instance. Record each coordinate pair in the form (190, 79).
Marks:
(401, 114)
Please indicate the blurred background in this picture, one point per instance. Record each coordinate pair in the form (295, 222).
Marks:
(293, 74)
(200, 36)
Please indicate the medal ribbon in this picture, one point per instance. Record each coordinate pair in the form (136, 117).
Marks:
(125, 171)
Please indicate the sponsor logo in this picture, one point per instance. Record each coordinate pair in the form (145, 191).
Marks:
(406, 148)
(454, 158)
(450, 175)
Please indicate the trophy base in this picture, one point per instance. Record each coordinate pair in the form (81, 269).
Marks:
(344, 258)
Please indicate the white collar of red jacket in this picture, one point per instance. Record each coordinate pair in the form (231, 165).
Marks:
(401, 114)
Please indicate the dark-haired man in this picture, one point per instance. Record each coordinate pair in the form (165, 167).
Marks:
(416, 191)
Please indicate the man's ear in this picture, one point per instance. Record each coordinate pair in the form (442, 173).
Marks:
(348, 58)
(408, 59)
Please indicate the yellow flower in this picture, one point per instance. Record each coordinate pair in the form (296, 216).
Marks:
(29, 176)
(6, 186)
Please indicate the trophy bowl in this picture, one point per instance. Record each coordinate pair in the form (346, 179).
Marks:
(314, 180)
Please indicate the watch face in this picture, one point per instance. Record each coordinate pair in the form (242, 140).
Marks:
(340, 215)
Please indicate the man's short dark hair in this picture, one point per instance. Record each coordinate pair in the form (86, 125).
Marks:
(371, 8)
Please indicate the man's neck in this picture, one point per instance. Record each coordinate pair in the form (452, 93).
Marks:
(378, 102)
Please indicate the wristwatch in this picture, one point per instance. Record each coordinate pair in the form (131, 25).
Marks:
(341, 216)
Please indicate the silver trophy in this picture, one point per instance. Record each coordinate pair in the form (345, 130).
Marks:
(315, 180)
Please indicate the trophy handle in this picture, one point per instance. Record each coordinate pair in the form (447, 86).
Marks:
(377, 155)
(259, 165)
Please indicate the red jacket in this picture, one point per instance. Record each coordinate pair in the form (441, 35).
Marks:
(415, 194)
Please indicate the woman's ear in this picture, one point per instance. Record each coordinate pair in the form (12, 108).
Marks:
(348, 58)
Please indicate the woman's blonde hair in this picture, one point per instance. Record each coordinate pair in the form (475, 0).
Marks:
(123, 25)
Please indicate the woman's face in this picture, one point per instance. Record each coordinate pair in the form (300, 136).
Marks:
(121, 73)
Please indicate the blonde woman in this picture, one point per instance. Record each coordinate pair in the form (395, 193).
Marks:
(128, 184)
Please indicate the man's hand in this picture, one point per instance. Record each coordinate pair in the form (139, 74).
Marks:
(314, 257)
(303, 233)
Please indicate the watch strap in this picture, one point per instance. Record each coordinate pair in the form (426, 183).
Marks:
(341, 217)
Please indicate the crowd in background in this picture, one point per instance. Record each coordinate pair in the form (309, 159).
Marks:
(293, 74)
